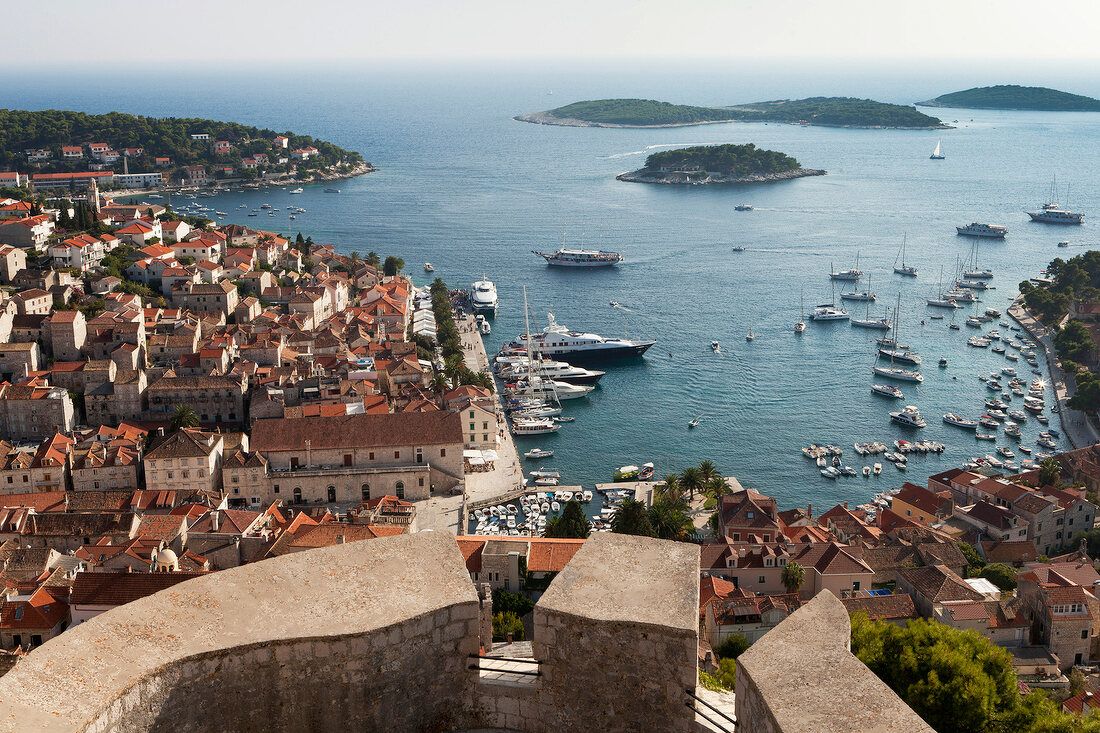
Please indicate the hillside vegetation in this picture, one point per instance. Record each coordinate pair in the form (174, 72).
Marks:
(1012, 96)
(834, 111)
(160, 137)
(734, 160)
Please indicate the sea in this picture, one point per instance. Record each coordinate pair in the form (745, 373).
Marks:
(462, 185)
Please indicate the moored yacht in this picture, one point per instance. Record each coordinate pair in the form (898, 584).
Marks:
(887, 390)
(976, 229)
(560, 342)
(960, 422)
(1053, 214)
(909, 417)
(483, 296)
(903, 375)
(903, 355)
(581, 258)
(828, 312)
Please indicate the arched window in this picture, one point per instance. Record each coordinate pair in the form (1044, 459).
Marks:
(400, 489)
(332, 493)
(366, 492)
(297, 496)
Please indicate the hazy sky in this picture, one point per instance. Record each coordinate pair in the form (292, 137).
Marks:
(148, 31)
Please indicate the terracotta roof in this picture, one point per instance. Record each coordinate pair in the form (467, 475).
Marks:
(40, 611)
(938, 584)
(326, 535)
(185, 443)
(1009, 551)
(893, 606)
(115, 589)
(549, 555)
(966, 610)
(364, 431)
(831, 558)
(161, 527)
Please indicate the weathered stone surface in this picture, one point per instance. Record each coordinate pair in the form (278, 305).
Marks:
(802, 676)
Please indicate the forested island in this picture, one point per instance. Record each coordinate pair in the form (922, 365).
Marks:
(1012, 96)
(718, 164)
(825, 111)
(54, 141)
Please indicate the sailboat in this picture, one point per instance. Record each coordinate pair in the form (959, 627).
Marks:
(829, 311)
(897, 354)
(904, 269)
(942, 302)
(801, 325)
(750, 335)
(937, 154)
(975, 272)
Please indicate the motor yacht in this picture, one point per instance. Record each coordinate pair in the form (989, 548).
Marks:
(483, 296)
(909, 417)
(904, 375)
(828, 312)
(960, 422)
(975, 229)
(560, 342)
(887, 390)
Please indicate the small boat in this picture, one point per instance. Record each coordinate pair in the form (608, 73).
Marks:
(545, 474)
(887, 390)
(866, 470)
(716, 347)
(646, 471)
(694, 422)
(738, 248)
(909, 417)
(937, 154)
(943, 362)
(539, 453)
(954, 327)
(546, 482)
(960, 422)
(626, 473)
(428, 267)
(558, 418)
(877, 469)
(555, 506)
(616, 304)
(985, 436)
(586, 495)
(831, 472)
(332, 190)
(1063, 244)
(750, 335)
(743, 207)
(296, 190)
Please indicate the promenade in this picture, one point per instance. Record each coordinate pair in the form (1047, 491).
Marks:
(1077, 428)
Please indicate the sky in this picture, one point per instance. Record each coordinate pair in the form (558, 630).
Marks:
(280, 31)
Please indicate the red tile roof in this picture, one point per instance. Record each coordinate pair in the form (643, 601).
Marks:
(115, 589)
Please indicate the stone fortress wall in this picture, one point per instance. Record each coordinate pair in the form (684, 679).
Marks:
(383, 635)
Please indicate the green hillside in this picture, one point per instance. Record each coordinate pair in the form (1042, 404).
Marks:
(1012, 96)
(734, 160)
(638, 112)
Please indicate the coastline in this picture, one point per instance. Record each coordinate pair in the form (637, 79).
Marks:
(362, 169)
(545, 118)
(1075, 424)
(684, 179)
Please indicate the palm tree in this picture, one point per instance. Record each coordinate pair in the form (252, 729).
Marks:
(184, 417)
(670, 520)
(692, 480)
(439, 384)
(708, 470)
(717, 487)
(484, 380)
(668, 490)
(792, 576)
(453, 366)
(354, 257)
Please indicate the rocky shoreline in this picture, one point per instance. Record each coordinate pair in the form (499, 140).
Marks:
(687, 179)
(545, 118)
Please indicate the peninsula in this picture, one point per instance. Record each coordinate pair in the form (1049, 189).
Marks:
(1012, 96)
(718, 164)
(139, 152)
(822, 111)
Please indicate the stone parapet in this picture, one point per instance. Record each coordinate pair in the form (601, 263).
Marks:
(802, 676)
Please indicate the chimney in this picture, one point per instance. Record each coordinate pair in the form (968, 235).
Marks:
(215, 520)
(160, 432)
(341, 539)
(809, 510)
(845, 505)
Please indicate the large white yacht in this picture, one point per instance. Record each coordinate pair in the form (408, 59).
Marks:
(996, 231)
(581, 258)
(559, 342)
(558, 370)
(540, 387)
(903, 375)
(828, 312)
(1053, 214)
(909, 416)
(483, 296)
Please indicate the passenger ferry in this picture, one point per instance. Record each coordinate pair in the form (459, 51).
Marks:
(994, 231)
(483, 296)
(581, 258)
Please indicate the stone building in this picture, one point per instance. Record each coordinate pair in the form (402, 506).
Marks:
(67, 332)
(104, 467)
(31, 413)
(214, 399)
(220, 297)
(124, 398)
(17, 359)
(349, 458)
(186, 460)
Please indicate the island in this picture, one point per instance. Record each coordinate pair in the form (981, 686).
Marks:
(129, 151)
(1012, 96)
(823, 111)
(718, 164)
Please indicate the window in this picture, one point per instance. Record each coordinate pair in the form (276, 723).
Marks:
(471, 414)
(736, 536)
(1084, 633)
(366, 492)
(855, 585)
(236, 490)
(485, 438)
(347, 459)
(297, 496)
(236, 479)
(762, 579)
(420, 481)
(276, 488)
(18, 613)
(396, 455)
(36, 640)
(442, 452)
(749, 515)
(332, 494)
(25, 478)
(419, 456)
(399, 489)
(370, 456)
(472, 427)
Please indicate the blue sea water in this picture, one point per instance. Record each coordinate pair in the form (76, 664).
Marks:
(464, 186)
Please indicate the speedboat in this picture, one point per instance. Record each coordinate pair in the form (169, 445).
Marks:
(428, 267)
(715, 347)
(738, 248)
(539, 453)
(909, 417)
(694, 422)
(887, 390)
(743, 207)
(960, 422)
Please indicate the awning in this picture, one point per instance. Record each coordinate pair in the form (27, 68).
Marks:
(490, 455)
(476, 461)
(471, 454)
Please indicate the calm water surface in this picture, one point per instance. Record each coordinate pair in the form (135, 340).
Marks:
(467, 188)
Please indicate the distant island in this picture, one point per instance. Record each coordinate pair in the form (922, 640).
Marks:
(718, 164)
(1012, 96)
(181, 149)
(825, 111)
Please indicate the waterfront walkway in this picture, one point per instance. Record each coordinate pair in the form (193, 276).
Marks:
(1079, 431)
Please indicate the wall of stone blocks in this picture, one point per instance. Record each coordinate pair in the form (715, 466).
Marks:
(412, 676)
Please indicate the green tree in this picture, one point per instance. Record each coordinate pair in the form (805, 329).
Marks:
(691, 480)
(571, 522)
(373, 260)
(717, 487)
(1091, 538)
(973, 558)
(733, 646)
(670, 520)
(184, 417)
(792, 576)
(668, 490)
(393, 266)
(954, 680)
(632, 517)
(1050, 472)
(507, 623)
(708, 471)
(516, 604)
(438, 383)
(1000, 575)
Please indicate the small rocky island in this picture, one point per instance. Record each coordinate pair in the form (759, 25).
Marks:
(718, 164)
(1013, 96)
(821, 111)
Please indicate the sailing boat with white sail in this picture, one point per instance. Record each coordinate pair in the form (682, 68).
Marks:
(904, 269)
(937, 154)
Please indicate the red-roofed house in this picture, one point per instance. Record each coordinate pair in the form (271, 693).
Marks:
(31, 620)
(27, 232)
(138, 233)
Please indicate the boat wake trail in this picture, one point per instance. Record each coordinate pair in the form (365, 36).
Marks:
(644, 150)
